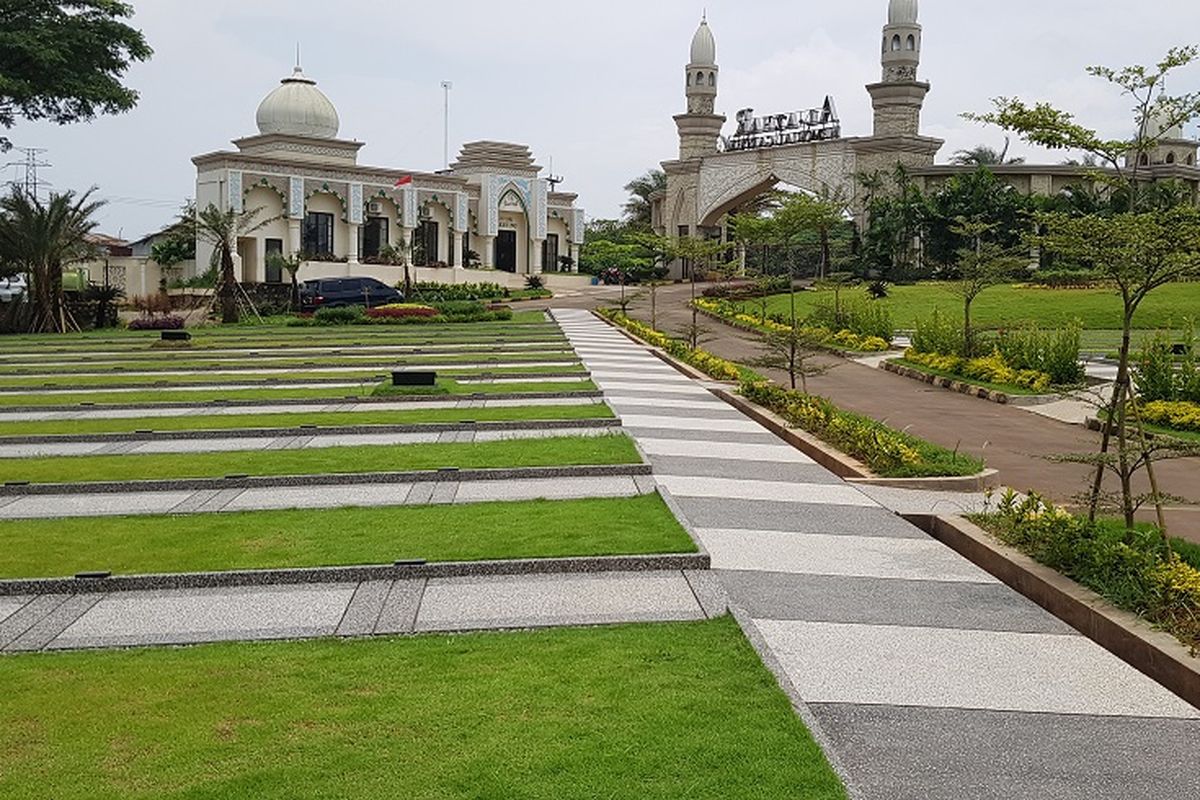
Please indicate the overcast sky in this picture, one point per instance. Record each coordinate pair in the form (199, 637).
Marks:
(593, 85)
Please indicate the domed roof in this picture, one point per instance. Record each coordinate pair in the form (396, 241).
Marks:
(902, 12)
(1158, 124)
(704, 46)
(299, 108)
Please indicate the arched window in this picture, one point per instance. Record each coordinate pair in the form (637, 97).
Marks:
(699, 78)
(1170, 158)
(1144, 160)
(1191, 161)
(912, 42)
(689, 79)
(884, 48)
(896, 43)
(712, 79)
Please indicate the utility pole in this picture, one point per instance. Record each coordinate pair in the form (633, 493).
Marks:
(446, 87)
(31, 163)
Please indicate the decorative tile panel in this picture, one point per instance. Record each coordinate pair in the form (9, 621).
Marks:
(577, 226)
(539, 210)
(461, 219)
(235, 202)
(296, 198)
(355, 212)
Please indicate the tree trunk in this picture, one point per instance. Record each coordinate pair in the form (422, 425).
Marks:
(1114, 406)
(968, 348)
(229, 312)
(825, 252)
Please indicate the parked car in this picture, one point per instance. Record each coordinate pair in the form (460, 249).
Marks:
(13, 288)
(341, 292)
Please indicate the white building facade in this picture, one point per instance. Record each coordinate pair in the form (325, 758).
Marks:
(489, 211)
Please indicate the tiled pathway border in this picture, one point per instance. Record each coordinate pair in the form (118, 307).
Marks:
(925, 677)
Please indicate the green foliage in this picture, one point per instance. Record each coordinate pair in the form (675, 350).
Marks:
(938, 334)
(1053, 352)
(63, 60)
(347, 315)
(885, 451)
(174, 248)
(1157, 374)
(861, 316)
(535, 282)
(1066, 278)
(433, 292)
(1136, 569)
(1176, 415)
(637, 208)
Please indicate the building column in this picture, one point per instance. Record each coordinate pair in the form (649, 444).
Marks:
(574, 258)
(352, 245)
(537, 266)
(293, 237)
(489, 252)
(460, 256)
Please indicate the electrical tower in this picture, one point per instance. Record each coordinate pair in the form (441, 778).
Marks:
(30, 164)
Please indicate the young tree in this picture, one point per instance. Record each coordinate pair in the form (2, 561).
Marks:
(1140, 247)
(222, 229)
(980, 266)
(42, 238)
(291, 265)
(63, 60)
(795, 352)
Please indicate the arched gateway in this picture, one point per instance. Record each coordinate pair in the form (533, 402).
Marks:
(716, 175)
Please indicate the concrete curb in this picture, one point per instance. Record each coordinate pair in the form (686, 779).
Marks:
(354, 574)
(1159, 655)
(347, 479)
(967, 388)
(309, 401)
(847, 467)
(313, 430)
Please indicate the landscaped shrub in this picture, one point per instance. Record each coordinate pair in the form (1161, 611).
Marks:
(841, 340)
(1136, 570)
(861, 316)
(401, 310)
(1178, 414)
(347, 315)
(161, 322)
(1054, 352)
(433, 292)
(988, 369)
(1158, 374)
(884, 450)
(938, 334)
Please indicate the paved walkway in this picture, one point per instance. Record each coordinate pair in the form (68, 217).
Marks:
(565, 361)
(925, 676)
(172, 617)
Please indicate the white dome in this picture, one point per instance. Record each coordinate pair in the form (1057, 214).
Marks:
(299, 108)
(902, 12)
(1158, 125)
(704, 46)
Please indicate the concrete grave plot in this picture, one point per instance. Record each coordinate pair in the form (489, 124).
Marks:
(924, 677)
(376, 607)
(249, 370)
(347, 352)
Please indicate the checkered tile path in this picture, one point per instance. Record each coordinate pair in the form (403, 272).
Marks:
(924, 676)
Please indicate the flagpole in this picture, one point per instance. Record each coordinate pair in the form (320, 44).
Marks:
(446, 87)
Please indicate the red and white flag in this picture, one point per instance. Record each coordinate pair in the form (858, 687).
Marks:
(404, 180)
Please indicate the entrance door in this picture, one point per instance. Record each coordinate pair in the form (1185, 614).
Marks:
(506, 251)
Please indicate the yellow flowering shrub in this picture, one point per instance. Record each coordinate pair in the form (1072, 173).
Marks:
(990, 369)
(1179, 415)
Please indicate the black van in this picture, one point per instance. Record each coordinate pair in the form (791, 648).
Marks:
(341, 292)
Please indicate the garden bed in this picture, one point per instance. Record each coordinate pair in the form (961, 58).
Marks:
(996, 393)
(841, 343)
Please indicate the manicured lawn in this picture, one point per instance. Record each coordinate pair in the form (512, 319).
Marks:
(321, 418)
(557, 451)
(341, 536)
(1007, 306)
(367, 388)
(998, 387)
(635, 712)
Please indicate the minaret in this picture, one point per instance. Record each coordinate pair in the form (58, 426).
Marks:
(898, 97)
(700, 127)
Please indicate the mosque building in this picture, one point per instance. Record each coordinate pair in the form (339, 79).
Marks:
(489, 209)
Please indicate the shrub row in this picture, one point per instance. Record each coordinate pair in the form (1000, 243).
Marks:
(1181, 416)
(1054, 352)
(406, 314)
(706, 362)
(1138, 571)
(1159, 377)
(990, 369)
(840, 340)
(863, 317)
(431, 291)
(159, 322)
(400, 310)
(884, 450)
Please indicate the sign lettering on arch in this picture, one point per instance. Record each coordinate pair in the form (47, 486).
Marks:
(776, 130)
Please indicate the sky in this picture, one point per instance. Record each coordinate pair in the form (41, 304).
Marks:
(592, 86)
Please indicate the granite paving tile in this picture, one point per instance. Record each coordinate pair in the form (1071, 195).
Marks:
(204, 615)
(548, 489)
(897, 753)
(545, 600)
(17, 621)
(709, 592)
(399, 611)
(942, 668)
(46, 629)
(744, 470)
(714, 438)
(11, 605)
(905, 501)
(777, 453)
(651, 407)
(93, 505)
(364, 609)
(647, 387)
(807, 493)
(824, 554)
(706, 404)
(49, 449)
(715, 512)
(706, 424)
(330, 496)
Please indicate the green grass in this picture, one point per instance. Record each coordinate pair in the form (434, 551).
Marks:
(1007, 306)
(368, 388)
(645, 712)
(943, 373)
(323, 419)
(341, 536)
(556, 451)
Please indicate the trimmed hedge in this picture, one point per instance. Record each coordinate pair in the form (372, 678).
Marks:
(164, 322)
(1179, 415)
(835, 340)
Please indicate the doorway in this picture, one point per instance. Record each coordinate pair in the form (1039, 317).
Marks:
(506, 250)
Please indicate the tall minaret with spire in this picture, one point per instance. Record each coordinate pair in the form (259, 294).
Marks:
(700, 127)
(899, 96)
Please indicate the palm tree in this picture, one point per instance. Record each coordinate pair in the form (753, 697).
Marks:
(42, 238)
(222, 229)
(637, 209)
(984, 156)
